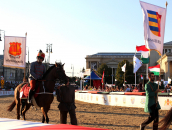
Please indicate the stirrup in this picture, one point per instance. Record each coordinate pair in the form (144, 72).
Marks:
(29, 101)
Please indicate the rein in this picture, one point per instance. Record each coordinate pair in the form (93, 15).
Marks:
(44, 87)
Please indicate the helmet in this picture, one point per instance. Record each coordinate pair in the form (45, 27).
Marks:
(41, 54)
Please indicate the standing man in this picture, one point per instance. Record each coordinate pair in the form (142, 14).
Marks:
(37, 70)
(66, 97)
(152, 105)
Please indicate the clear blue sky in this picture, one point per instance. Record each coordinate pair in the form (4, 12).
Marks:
(77, 28)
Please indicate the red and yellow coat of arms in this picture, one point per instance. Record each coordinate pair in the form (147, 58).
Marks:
(15, 48)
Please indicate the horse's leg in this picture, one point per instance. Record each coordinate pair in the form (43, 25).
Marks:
(18, 105)
(27, 106)
(45, 116)
(23, 105)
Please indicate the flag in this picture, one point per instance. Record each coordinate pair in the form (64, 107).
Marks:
(136, 64)
(155, 69)
(154, 26)
(141, 77)
(15, 52)
(123, 67)
(103, 77)
(144, 53)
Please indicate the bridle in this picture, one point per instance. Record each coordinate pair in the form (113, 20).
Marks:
(58, 70)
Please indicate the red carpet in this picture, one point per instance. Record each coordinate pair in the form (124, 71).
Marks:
(61, 127)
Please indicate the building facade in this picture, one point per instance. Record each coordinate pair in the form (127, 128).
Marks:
(112, 60)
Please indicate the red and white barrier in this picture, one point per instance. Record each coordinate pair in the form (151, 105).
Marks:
(13, 124)
(5, 93)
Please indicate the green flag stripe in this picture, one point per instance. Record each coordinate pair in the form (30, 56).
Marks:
(145, 60)
(155, 73)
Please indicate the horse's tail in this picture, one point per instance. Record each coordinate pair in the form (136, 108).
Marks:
(10, 108)
(166, 121)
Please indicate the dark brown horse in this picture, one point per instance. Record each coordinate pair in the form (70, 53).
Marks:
(43, 100)
(166, 121)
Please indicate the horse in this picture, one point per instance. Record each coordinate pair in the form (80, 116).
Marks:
(45, 96)
(166, 121)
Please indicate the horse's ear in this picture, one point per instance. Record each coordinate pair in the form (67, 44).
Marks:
(63, 64)
(56, 64)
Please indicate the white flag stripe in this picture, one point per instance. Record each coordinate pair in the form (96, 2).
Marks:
(155, 69)
(145, 54)
(154, 26)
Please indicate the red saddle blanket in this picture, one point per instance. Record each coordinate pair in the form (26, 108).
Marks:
(24, 92)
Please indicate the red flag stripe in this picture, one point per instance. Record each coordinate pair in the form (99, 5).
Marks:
(156, 66)
(141, 48)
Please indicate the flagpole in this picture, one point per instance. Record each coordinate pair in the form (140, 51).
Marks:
(135, 79)
(90, 77)
(124, 74)
(161, 54)
(25, 56)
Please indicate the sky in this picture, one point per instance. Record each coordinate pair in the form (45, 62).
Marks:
(77, 28)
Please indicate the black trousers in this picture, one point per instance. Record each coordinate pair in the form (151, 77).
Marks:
(152, 116)
(63, 117)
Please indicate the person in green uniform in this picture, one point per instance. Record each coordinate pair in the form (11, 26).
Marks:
(151, 105)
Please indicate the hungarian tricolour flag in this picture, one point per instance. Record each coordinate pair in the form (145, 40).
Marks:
(141, 77)
(144, 53)
(154, 26)
(155, 69)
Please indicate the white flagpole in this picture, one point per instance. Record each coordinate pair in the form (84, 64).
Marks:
(161, 55)
(135, 79)
(25, 55)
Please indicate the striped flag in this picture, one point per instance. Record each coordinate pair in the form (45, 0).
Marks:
(154, 26)
(155, 69)
(144, 53)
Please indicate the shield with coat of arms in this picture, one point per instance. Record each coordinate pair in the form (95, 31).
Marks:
(15, 48)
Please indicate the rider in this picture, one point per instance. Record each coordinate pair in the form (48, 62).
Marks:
(37, 70)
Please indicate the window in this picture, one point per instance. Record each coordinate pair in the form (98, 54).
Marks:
(165, 50)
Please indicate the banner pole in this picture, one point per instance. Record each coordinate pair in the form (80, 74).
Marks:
(161, 54)
(25, 56)
(135, 79)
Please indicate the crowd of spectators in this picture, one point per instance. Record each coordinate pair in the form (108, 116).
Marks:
(127, 88)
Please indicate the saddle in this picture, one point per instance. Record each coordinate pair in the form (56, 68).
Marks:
(24, 92)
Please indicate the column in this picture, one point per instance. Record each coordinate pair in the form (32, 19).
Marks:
(87, 64)
(168, 69)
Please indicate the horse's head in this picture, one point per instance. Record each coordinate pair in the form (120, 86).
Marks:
(60, 73)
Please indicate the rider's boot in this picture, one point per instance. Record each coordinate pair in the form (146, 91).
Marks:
(30, 96)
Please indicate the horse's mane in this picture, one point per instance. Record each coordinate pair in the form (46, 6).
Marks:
(47, 72)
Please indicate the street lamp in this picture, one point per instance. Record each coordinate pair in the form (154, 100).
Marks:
(72, 66)
(4, 44)
(49, 49)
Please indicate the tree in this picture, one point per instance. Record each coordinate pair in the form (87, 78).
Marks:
(108, 72)
(129, 75)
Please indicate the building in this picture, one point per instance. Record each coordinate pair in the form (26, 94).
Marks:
(112, 60)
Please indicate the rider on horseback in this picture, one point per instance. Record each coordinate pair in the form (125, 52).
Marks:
(37, 70)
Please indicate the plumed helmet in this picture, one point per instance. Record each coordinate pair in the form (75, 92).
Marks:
(41, 54)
